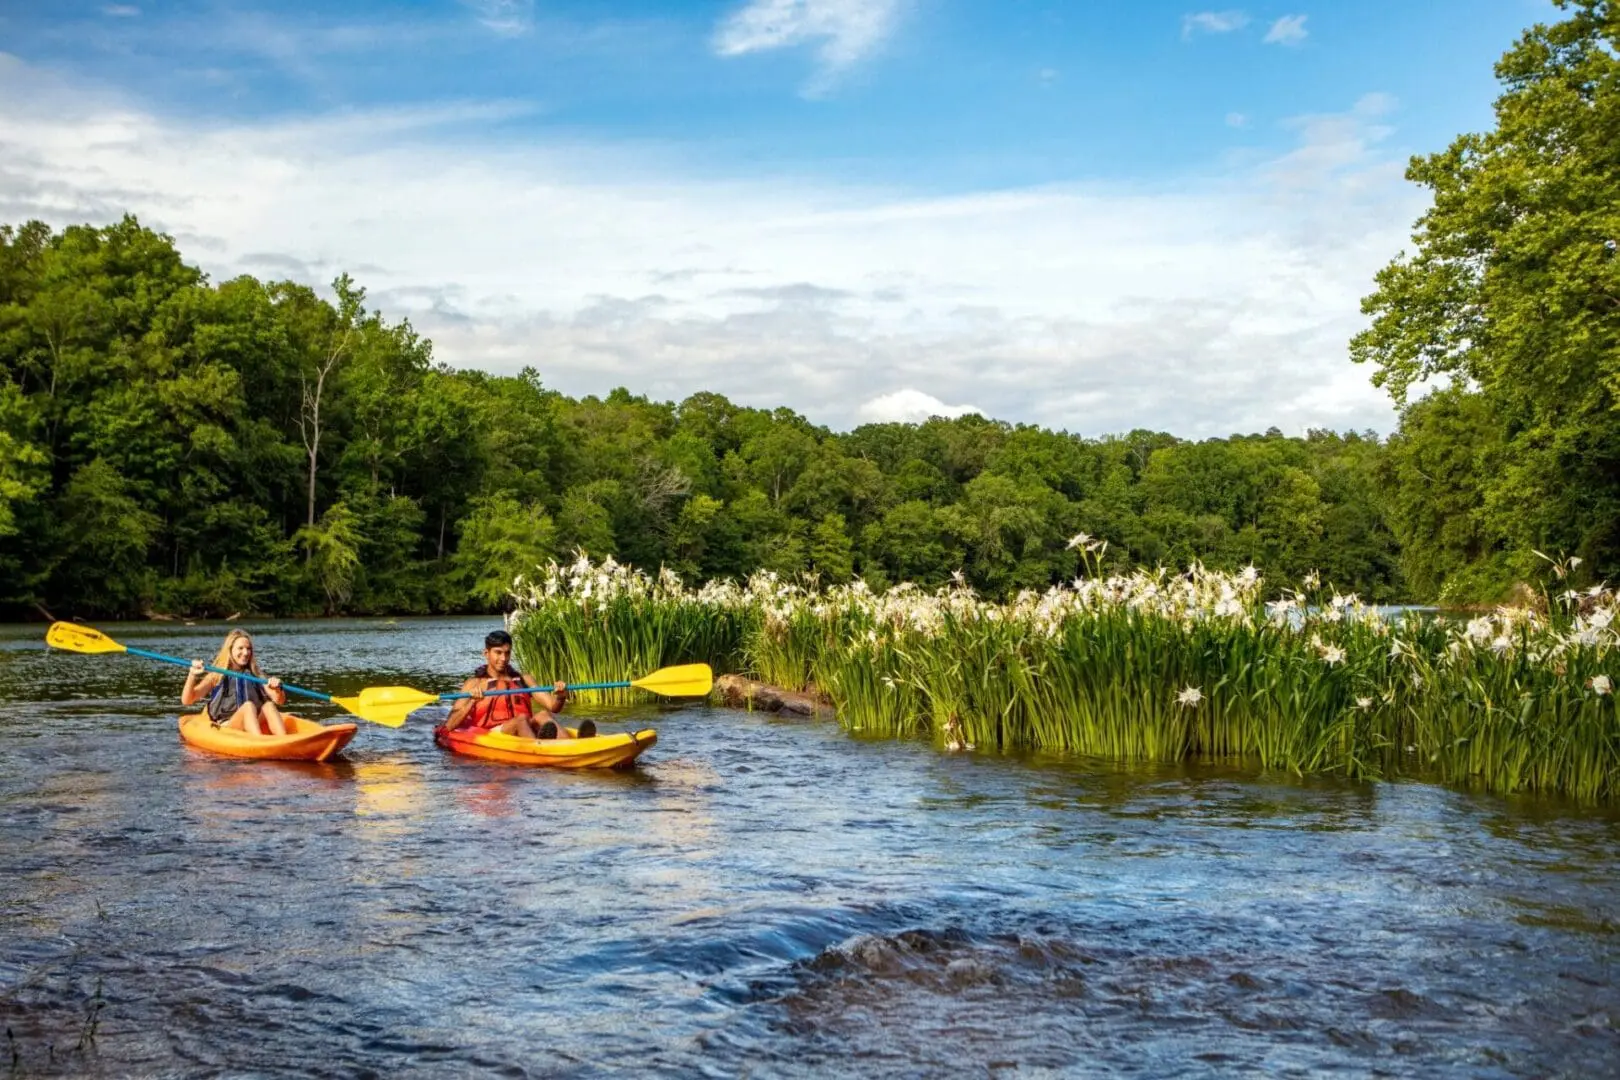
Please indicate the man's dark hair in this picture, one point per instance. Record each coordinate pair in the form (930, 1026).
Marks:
(497, 638)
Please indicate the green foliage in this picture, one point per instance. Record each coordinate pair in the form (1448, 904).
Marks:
(22, 462)
(331, 549)
(1512, 298)
(266, 448)
(102, 538)
(501, 537)
(832, 554)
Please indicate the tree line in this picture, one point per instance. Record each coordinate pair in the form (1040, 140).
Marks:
(169, 444)
(175, 445)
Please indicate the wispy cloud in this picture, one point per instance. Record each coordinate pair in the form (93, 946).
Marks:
(1288, 30)
(508, 18)
(848, 30)
(121, 11)
(1212, 22)
(1330, 143)
(1236, 120)
(1216, 305)
(300, 48)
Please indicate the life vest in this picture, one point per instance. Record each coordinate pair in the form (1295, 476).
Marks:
(230, 694)
(492, 712)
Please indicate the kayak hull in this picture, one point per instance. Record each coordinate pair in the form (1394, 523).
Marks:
(616, 751)
(305, 740)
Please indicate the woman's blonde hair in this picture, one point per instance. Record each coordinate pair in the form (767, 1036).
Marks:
(222, 659)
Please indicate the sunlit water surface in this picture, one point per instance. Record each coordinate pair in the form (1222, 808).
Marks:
(760, 896)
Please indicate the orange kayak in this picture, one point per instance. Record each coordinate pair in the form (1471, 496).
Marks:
(616, 751)
(305, 739)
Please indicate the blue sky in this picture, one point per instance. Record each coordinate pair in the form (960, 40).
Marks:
(1082, 214)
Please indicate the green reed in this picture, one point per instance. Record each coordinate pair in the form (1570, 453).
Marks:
(608, 624)
(1149, 667)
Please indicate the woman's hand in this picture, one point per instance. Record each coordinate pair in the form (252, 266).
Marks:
(189, 693)
(274, 683)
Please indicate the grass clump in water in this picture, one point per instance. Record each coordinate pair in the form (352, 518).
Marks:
(1150, 666)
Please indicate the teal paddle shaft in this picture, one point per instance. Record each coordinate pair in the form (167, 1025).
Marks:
(538, 689)
(289, 687)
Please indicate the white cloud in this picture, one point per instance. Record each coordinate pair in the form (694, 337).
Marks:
(508, 18)
(1288, 30)
(849, 30)
(1220, 304)
(1237, 120)
(1212, 22)
(910, 406)
(1332, 143)
(121, 11)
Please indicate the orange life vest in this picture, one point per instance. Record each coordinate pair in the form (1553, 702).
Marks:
(492, 712)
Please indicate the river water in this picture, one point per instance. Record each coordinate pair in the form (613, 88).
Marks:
(760, 896)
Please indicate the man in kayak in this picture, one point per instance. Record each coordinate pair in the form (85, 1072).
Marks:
(528, 716)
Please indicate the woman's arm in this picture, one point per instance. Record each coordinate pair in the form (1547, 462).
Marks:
(198, 684)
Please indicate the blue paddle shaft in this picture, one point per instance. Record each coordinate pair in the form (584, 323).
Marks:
(291, 689)
(542, 689)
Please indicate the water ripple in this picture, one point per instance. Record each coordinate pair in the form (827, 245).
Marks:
(764, 897)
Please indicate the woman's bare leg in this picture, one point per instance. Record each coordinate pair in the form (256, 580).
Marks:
(272, 718)
(246, 719)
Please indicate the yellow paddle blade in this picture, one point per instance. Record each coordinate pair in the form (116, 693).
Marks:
(388, 705)
(82, 639)
(683, 680)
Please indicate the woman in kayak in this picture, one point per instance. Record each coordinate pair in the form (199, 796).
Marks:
(234, 702)
(528, 716)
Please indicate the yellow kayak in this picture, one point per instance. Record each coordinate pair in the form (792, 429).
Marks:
(305, 739)
(616, 751)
